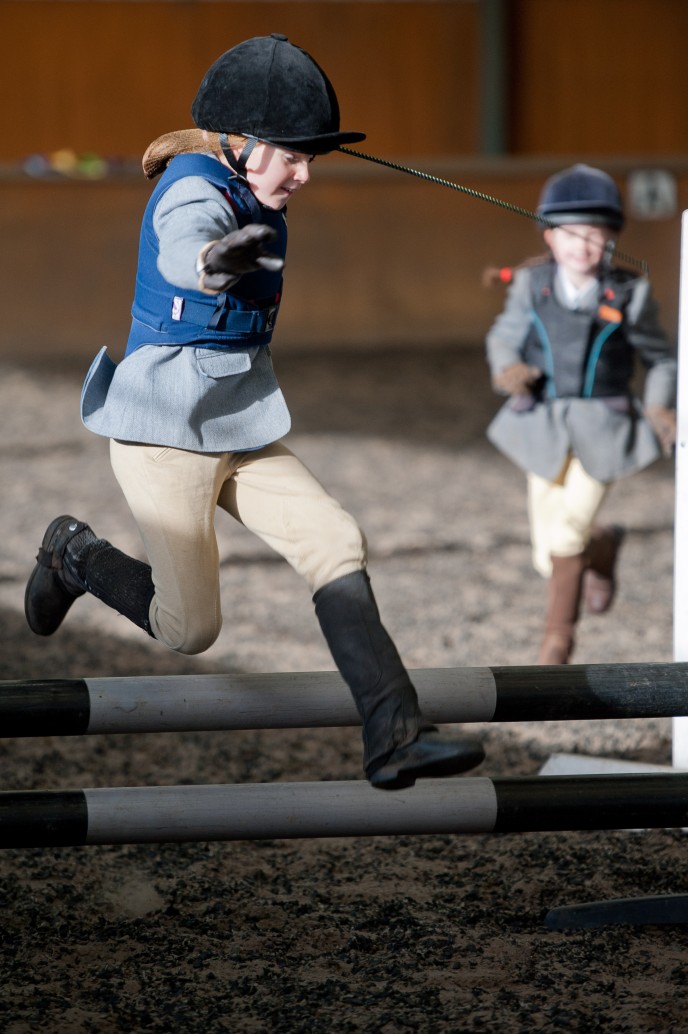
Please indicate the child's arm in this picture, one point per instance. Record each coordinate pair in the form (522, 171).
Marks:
(506, 338)
(645, 333)
(188, 216)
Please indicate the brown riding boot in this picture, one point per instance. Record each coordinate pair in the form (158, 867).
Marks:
(599, 582)
(563, 607)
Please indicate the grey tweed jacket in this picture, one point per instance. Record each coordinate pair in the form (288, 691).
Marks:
(612, 438)
(199, 399)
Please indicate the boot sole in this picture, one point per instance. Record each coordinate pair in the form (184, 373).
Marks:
(425, 761)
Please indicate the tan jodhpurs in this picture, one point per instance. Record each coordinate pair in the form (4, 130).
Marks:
(173, 495)
(562, 513)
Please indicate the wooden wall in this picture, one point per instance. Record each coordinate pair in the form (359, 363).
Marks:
(605, 77)
(111, 76)
(376, 258)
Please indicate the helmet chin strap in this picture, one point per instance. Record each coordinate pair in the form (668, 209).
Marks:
(610, 253)
(238, 164)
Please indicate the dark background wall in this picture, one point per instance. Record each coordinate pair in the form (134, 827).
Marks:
(492, 94)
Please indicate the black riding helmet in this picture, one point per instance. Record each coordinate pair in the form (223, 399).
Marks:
(582, 194)
(268, 89)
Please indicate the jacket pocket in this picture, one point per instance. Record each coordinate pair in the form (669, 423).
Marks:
(218, 363)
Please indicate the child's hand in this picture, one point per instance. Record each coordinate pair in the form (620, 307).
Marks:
(663, 423)
(517, 379)
(221, 263)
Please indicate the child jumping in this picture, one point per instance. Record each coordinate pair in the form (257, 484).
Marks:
(194, 413)
(564, 350)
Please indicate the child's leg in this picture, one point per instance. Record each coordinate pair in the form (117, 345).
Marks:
(277, 498)
(583, 497)
(72, 560)
(599, 581)
(172, 495)
(561, 516)
(544, 498)
(563, 609)
(176, 597)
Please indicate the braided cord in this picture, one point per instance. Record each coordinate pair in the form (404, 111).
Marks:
(481, 196)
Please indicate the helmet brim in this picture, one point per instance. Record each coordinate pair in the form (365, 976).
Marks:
(322, 144)
(588, 217)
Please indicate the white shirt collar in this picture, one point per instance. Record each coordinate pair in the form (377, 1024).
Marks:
(572, 296)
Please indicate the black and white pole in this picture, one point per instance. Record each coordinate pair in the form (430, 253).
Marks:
(260, 811)
(71, 707)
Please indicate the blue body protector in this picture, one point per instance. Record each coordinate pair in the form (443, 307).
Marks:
(167, 315)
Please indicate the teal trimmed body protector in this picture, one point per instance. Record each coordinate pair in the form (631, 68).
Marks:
(166, 315)
(583, 354)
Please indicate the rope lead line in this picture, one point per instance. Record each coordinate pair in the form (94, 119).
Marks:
(480, 196)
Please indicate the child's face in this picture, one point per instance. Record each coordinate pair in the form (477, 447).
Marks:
(274, 175)
(578, 248)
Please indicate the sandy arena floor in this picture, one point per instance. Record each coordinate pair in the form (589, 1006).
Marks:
(379, 935)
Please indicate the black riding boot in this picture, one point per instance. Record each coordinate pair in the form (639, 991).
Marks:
(399, 744)
(72, 561)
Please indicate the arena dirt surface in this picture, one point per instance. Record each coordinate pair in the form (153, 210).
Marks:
(379, 935)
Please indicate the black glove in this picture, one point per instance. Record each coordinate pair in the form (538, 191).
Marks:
(221, 263)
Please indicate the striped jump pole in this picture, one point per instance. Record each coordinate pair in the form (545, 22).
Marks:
(71, 707)
(260, 811)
